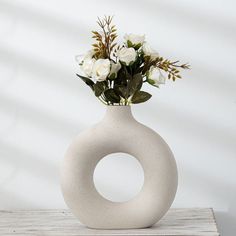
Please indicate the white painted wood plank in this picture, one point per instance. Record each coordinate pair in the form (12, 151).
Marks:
(184, 222)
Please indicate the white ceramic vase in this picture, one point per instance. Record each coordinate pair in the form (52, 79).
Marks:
(119, 132)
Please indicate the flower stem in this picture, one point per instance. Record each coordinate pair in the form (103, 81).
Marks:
(102, 100)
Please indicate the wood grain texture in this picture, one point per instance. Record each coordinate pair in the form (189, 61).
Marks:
(177, 222)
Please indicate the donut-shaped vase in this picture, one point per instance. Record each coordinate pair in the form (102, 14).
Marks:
(119, 132)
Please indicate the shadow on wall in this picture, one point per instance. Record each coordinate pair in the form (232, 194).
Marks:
(34, 164)
(13, 195)
(219, 189)
(188, 15)
(226, 220)
(40, 69)
(210, 78)
(54, 23)
(200, 182)
(192, 123)
(197, 19)
(21, 159)
(40, 118)
(10, 200)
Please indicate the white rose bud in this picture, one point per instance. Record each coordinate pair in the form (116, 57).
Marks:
(149, 51)
(89, 54)
(155, 77)
(101, 69)
(134, 40)
(115, 67)
(86, 62)
(87, 66)
(127, 55)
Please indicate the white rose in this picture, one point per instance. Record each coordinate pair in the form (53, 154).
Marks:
(134, 40)
(101, 69)
(127, 55)
(89, 54)
(149, 51)
(86, 62)
(87, 66)
(155, 77)
(115, 67)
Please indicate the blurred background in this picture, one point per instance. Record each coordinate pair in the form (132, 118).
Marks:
(43, 106)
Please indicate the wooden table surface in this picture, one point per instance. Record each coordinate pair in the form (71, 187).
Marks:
(180, 221)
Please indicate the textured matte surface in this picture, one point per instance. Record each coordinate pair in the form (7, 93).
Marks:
(119, 132)
(177, 222)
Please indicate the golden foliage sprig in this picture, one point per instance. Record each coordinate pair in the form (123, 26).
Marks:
(105, 40)
(170, 67)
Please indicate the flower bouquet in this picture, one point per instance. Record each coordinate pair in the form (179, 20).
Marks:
(116, 72)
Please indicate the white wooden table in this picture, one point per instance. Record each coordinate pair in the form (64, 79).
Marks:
(184, 222)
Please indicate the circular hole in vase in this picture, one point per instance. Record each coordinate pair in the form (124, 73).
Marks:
(118, 177)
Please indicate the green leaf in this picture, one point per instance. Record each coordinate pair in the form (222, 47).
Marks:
(112, 76)
(98, 88)
(135, 83)
(152, 82)
(137, 46)
(129, 44)
(88, 81)
(140, 96)
(112, 96)
(128, 76)
(121, 90)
